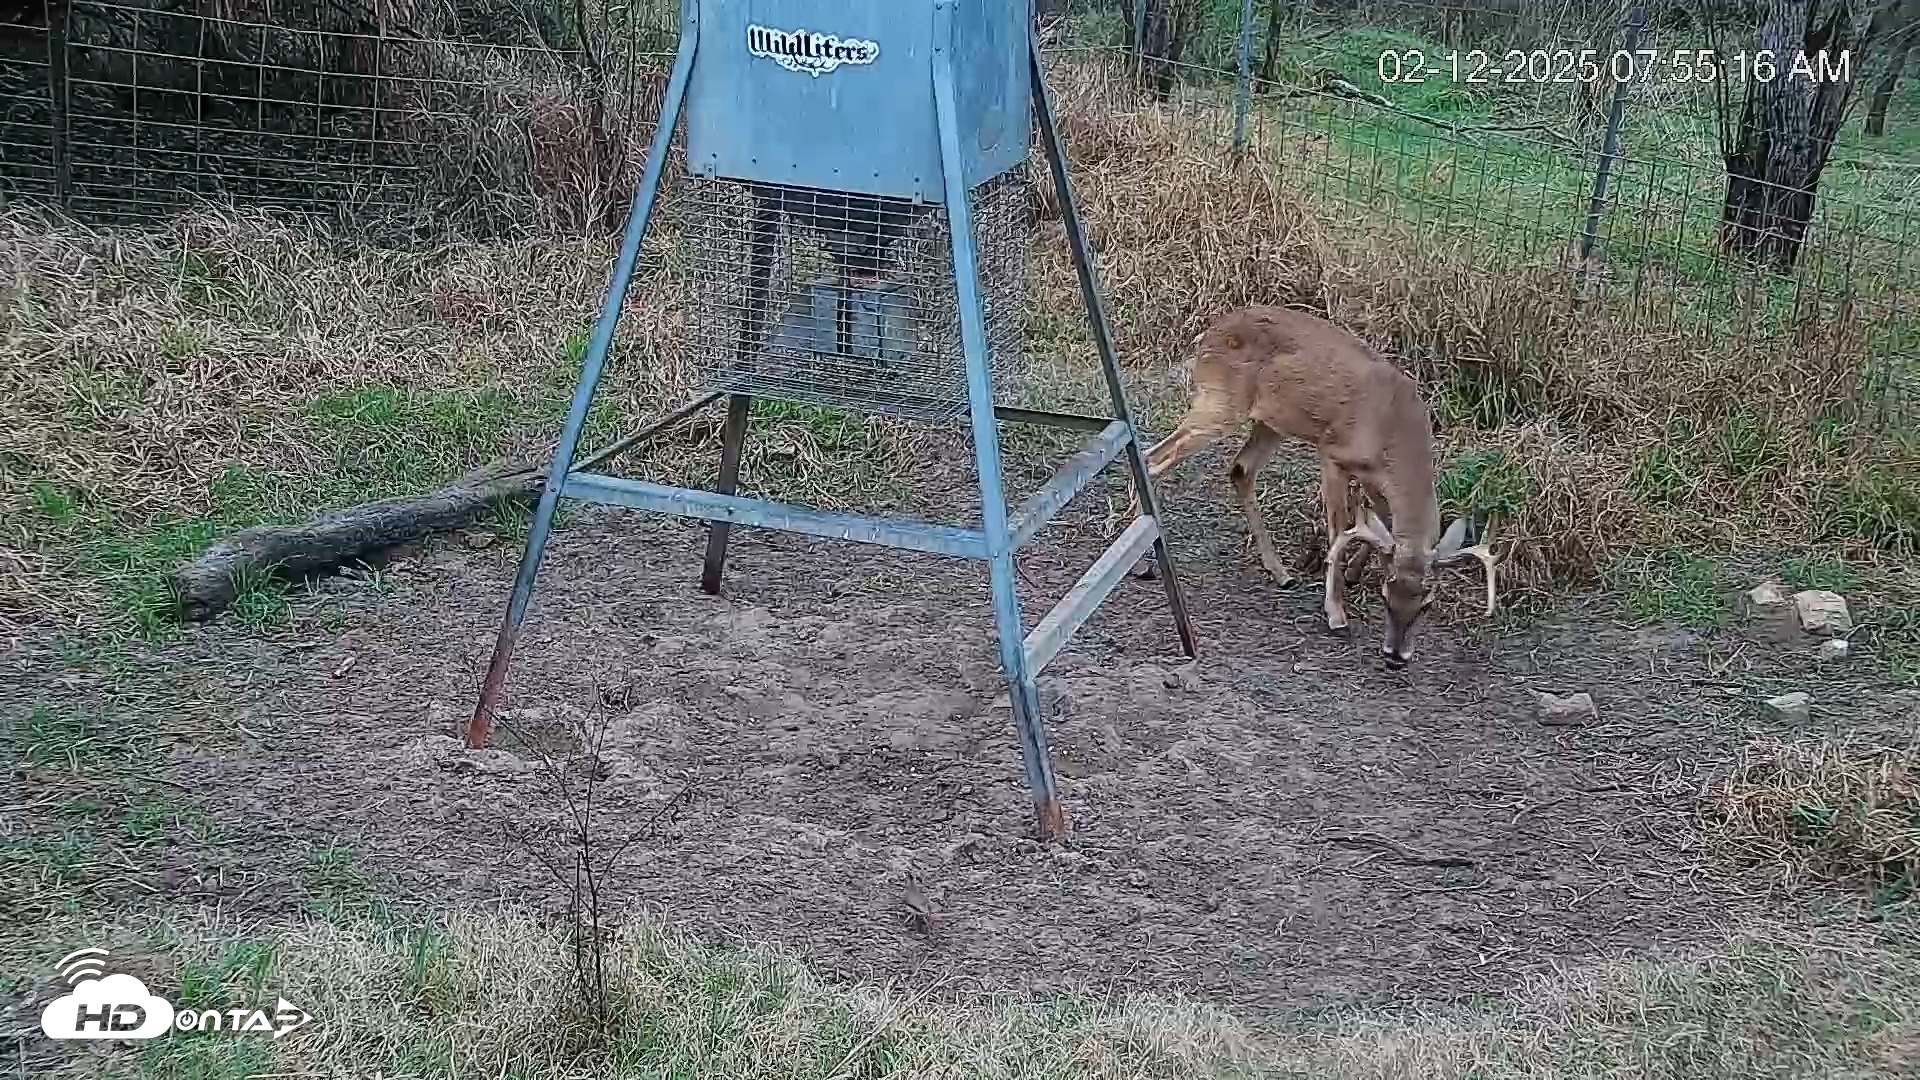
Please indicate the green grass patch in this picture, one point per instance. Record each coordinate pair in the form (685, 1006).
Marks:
(81, 741)
(237, 977)
(1880, 505)
(831, 429)
(1819, 572)
(1483, 483)
(1673, 586)
(203, 1056)
(129, 559)
(1663, 474)
(396, 440)
(339, 887)
(148, 821)
(57, 860)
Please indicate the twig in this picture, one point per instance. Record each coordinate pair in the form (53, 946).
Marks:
(1397, 850)
(1342, 88)
(645, 832)
(622, 445)
(1558, 799)
(161, 780)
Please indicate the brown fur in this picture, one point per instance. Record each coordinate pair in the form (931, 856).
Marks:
(1295, 374)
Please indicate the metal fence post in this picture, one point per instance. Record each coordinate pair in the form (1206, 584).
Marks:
(1243, 89)
(1610, 146)
(1140, 37)
(57, 37)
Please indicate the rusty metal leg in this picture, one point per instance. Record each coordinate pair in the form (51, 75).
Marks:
(733, 439)
(591, 368)
(1023, 695)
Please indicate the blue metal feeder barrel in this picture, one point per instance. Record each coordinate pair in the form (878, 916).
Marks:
(837, 95)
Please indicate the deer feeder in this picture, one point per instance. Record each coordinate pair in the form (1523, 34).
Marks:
(858, 210)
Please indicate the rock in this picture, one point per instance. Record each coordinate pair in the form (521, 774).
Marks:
(1792, 708)
(963, 850)
(1823, 612)
(1184, 677)
(1766, 594)
(1558, 710)
(1835, 649)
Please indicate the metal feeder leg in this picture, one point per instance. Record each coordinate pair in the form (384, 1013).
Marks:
(1022, 693)
(590, 372)
(1103, 339)
(733, 439)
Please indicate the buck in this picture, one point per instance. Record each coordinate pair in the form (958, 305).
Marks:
(1295, 374)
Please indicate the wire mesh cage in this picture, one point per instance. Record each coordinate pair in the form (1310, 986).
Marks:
(848, 301)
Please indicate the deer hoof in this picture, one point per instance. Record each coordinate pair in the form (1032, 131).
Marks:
(1337, 621)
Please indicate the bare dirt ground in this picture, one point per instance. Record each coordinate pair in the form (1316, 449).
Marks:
(1287, 823)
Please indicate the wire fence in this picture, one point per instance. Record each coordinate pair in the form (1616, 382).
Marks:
(131, 110)
(1507, 132)
(1596, 134)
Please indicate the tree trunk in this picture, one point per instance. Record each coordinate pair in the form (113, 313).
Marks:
(1786, 128)
(1169, 23)
(1270, 52)
(1883, 94)
(1900, 44)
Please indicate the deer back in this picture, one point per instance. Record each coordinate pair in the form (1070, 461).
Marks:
(1303, 376)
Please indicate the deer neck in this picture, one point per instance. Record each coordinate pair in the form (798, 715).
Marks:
(1410, 496)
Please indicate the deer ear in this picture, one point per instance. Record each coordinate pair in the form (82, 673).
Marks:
(1450, 541)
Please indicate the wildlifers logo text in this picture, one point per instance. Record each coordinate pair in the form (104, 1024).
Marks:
(809, 52)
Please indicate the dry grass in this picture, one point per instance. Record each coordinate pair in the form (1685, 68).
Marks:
(159, 386)
(1821, 810)
(488, 995)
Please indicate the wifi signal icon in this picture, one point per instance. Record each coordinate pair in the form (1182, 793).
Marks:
(82, 964)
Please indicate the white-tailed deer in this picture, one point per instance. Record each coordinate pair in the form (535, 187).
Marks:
(1295, 374)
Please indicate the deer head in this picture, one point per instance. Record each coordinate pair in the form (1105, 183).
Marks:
(1409, 585)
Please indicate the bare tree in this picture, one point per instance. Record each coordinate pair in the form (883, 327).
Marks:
(1900, 43)
(1777, 142)
(1269, 72)
(1167, 28)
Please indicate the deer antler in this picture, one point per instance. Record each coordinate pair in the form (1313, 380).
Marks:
(1370, 529)
(1483, 551)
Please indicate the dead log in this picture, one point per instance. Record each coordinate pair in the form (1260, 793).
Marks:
(206, 585)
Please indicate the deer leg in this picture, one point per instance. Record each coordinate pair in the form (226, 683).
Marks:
(1196, 432)
(1359, 554)
(1333, 499)
(1253, 457)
